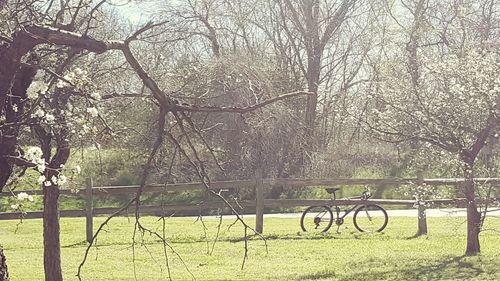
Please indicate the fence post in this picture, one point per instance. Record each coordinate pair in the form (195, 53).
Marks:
(422, 217)
(259, 201)
(89, 209)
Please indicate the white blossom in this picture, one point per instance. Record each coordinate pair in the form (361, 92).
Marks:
(41, 179)
(40, 167)
(39, 113)
(62, 180)
(92, 111)
(77, 169)
(49, 118)
(79, 72)
(33, 153)
(36, 88)
(95, 95)
(61, 84)
(70, 76)
(24, 196)
(85, 129)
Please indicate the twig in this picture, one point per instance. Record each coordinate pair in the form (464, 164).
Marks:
(219, 225)
(245, 256)
(94, 238)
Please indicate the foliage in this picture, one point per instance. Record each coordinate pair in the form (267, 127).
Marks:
(455, 98)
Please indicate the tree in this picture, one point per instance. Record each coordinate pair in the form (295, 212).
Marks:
(27, 101)
(4, 273)
(456, 108)
(316, 24)
(436, 41)
(23, 100)
(17, 73)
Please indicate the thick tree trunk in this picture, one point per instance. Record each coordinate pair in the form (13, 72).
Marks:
(473, 215)
(7, 148)
(313, 68)
(17, 87)
(4, 273)
(314, 52)
(51, 241)
(51, 227)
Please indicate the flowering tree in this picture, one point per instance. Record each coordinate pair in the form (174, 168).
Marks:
(43, 89)
(27, 101)
(435, 85)
(455, 108)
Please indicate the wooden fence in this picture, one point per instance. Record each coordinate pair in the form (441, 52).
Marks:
(259, 203)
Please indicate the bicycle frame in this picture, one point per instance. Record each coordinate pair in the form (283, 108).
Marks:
(347, 210)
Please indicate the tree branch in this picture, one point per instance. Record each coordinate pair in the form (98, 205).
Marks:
(193, 108)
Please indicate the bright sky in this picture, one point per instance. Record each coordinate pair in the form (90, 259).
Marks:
(135, 11)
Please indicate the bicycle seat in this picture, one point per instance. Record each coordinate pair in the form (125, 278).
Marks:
(332, 189)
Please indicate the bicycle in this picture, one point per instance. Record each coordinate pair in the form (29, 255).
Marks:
(366, 218)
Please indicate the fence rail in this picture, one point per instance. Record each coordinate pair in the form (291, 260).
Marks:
(238, 184)
(260, 203)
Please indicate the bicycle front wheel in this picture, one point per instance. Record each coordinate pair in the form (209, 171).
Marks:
(370, 218)
(316, 219)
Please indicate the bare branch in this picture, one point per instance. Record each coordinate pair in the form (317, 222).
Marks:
(194, 108)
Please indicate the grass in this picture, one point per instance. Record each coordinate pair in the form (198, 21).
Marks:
(293, 255)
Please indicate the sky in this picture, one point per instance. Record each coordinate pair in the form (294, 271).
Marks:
(132, 10)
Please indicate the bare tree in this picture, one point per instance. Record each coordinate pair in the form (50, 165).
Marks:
(315, 24)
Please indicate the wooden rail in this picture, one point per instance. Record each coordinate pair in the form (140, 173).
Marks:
(130, 189)
(260, 203)
(237, 184)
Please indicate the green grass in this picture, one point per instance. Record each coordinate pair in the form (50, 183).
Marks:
(293, 255)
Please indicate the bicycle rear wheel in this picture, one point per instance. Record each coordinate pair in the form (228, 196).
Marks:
(370, 218)
(316, 219)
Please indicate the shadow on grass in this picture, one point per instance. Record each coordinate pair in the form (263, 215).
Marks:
(75, 245)
(307, 236)
(416, 235)
(268, 237)
(318, 276)
(455, 268)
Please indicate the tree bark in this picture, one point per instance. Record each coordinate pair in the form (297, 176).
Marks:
(4, 273)
(14, 81)
(313, 77)
(8, 136)
(473, 216)
(51, 229)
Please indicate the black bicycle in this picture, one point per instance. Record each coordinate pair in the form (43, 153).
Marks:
(366, 218)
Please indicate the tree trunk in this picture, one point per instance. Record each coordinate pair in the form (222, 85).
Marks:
(473, 216)
(18, 84)
(7, 148)
(51, 241)
(313, 72)
(4, 273)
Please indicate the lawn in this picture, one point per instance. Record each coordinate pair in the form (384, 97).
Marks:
(292, 255)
